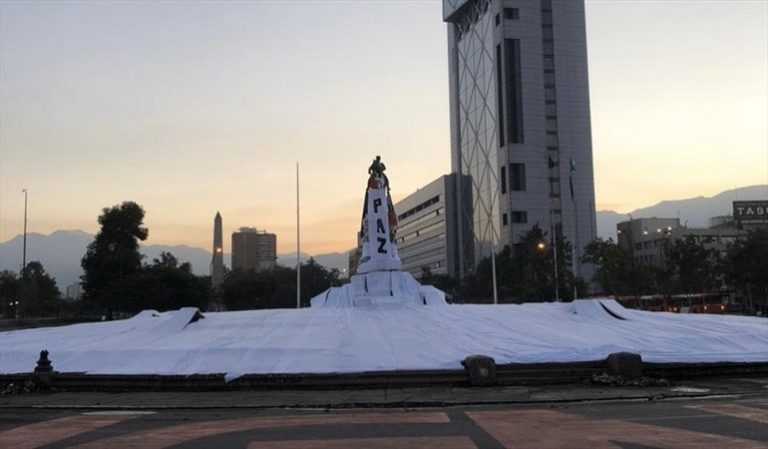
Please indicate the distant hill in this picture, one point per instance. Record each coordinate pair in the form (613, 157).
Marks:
(61, 251)
(696, 212)
(340, 261)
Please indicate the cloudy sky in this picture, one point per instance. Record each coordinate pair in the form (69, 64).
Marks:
(189, 108)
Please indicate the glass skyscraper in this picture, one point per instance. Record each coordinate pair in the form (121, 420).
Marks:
(520, 123)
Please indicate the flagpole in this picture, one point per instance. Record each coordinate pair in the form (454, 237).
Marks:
(576, 247)
(298, 243)
(493, 269)
(24, 250)
(23, 262)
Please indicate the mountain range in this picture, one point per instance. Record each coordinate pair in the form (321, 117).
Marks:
(693, 212)
(61, 251)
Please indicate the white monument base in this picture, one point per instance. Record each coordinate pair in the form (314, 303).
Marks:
(382, 290)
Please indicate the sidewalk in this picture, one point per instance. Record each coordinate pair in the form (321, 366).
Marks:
(382, 398)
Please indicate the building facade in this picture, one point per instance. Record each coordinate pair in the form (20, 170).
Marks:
(646, 238)
(253, 250)
(427, 231)
(520, 123)
(74, 292)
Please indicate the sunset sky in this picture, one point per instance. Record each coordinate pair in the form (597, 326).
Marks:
(189, 108)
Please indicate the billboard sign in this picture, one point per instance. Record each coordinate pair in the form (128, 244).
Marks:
(750, 210)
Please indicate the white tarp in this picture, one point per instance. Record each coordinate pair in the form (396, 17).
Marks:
(322, 340)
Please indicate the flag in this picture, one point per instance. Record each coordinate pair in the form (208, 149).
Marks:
(570, 178)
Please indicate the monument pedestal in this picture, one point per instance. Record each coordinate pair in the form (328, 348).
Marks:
(381, 290)
(379, 282)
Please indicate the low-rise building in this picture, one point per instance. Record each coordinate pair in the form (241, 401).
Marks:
(646, 238)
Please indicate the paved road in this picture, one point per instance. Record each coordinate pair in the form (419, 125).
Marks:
(732, 422)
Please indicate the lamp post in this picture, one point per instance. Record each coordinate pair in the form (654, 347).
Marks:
(554, 263)
(23, 255)
(24, 247)
(664, 233)
(493, 273)
(298, 243)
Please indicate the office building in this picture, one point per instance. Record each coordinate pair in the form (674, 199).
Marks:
(253, 250)
(646, 239)
(74, 291)
(217, 262)
(520, 123)
(427, 232)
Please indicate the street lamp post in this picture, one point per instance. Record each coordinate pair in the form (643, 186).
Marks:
(493, 273)
(23, 257)
(630, 236)
(554, 263)
(663, 242)
(24, 247)
(298, 243)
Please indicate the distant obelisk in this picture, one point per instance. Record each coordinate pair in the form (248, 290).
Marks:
(217, 263)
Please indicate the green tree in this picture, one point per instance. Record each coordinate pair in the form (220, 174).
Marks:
(691, 267)
(284, 294)
(243, 290)
(615, 270)
(275, 288)
(526, 272)
(440, 281)
(164, 285)
(745, 267)
(10, 289)
(113, 255)
(315, 279)
(39, 294)
(617, 274)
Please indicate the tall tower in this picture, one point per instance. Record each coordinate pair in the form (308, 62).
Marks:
(520, 123)
(217, 263)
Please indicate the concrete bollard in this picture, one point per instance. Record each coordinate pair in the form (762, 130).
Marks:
(481, 370)
(625, 364)
(43, 372)
(44, 364)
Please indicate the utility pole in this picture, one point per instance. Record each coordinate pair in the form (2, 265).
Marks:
(24, 247)
(493, 269)
(298, 244)
(553, 235)
(554, 260)
(23, 258)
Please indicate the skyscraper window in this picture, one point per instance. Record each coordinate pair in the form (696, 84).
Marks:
(511, 13)
(517, 177)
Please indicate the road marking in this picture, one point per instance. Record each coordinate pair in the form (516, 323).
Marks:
(170, 436)
(735, 410)
(47, 432)
(371, 443)
(544, 429)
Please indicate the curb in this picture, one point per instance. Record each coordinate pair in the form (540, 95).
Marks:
(518, 374)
